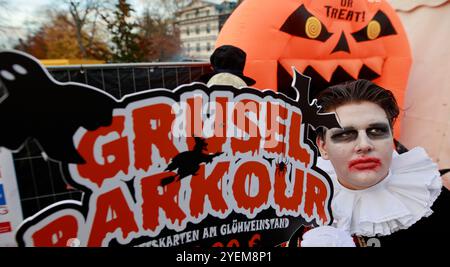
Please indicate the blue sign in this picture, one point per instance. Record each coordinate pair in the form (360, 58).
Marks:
(2, 196)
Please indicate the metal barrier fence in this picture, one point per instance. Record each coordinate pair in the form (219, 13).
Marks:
(40, 181)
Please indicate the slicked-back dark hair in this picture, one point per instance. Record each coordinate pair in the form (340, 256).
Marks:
(356, 92)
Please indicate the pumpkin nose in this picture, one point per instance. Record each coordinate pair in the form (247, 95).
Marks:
(342, 45)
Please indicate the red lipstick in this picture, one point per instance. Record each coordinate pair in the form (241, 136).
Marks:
(363, 164)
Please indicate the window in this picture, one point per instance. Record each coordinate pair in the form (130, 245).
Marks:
(197, 29)
(188, 31)
(208, 47)
(188, 47)
(198, 47)
(207, 12)
(208, 28)
(187, 15)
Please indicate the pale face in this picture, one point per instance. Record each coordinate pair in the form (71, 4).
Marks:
(361, 152)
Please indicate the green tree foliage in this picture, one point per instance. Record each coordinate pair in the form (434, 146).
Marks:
(123, 31)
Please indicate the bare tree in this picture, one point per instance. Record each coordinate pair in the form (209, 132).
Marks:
(5, 27)
(159, 40)
(85, 17)
(3, 13)
(159, 34)
(165, 8)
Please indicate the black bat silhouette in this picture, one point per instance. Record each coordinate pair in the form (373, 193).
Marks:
(34, 105)
(310, 110)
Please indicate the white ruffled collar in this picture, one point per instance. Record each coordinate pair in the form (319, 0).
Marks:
(400, 200)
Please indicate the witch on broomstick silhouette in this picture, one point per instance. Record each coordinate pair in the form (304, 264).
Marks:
(188, 162)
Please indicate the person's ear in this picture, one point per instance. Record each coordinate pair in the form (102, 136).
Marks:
(322, 147)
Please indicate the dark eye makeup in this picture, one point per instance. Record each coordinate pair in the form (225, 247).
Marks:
(378, 131)
(374, 131)
(344, 135)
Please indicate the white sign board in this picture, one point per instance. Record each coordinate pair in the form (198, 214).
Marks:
(10, 208)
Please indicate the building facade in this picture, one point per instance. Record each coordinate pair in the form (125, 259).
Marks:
(200, 23)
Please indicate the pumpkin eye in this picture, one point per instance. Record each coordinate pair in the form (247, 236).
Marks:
(378, 27)
(373, 30)
(313, 27)
(303, 24)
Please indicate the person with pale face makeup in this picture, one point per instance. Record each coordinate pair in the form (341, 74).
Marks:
(377, 192)
(362, 150)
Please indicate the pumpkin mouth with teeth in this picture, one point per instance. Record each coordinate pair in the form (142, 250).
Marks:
(331, 41)
(324, 74)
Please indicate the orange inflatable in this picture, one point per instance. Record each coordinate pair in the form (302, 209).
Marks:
(329, 40)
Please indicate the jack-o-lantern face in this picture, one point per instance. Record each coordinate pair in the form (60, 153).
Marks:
(329, 40)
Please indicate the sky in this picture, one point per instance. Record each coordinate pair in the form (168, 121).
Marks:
(22, 15)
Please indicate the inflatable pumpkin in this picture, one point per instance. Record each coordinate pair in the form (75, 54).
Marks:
(329, 40)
